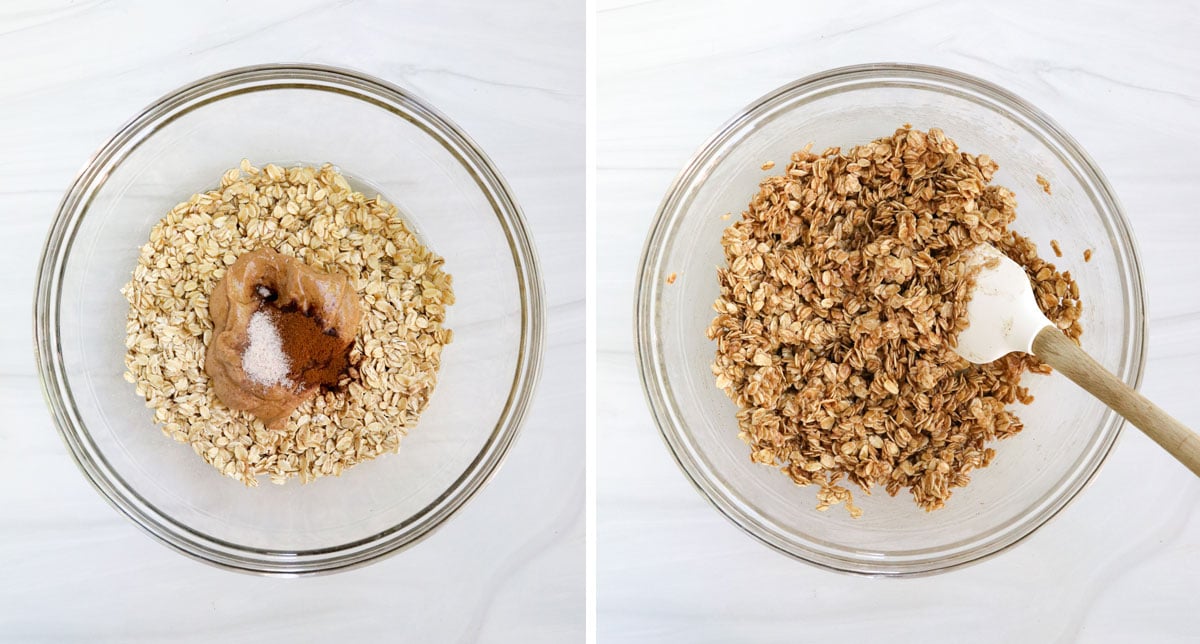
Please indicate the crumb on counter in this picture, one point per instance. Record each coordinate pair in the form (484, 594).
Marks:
(672, 277)
(1056, 248)
(768, 165)
(1087, 255)
(1044, 184)
(726, 216)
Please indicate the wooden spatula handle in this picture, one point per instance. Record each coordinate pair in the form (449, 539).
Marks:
(1058, 351)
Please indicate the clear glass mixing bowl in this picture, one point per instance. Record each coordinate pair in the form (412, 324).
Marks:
(384, 140)
(1067, 433)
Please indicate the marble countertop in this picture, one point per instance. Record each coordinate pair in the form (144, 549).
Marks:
(1122, 563)
(509, 567)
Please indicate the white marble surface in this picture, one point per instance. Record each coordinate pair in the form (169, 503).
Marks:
(509, 567)
(1121, 564)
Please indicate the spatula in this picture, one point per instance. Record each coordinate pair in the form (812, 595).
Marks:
(1003, 316)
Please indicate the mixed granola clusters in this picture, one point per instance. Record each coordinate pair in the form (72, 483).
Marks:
(844, 288)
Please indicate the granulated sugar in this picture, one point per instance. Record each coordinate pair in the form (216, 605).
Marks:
(264, 360)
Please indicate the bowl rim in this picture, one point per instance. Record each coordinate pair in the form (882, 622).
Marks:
(660, 398)
(52, 373)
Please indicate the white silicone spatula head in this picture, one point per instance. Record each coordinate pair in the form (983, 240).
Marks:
(1003, 317)
(1002, 313)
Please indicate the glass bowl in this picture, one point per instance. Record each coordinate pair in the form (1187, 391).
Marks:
(1067, 433)
(385, 141)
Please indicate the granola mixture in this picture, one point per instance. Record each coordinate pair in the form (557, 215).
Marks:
(841, 297)
(311, 214)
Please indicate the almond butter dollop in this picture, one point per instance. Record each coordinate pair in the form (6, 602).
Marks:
(306, 322)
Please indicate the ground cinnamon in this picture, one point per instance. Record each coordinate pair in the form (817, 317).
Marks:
(316, 355)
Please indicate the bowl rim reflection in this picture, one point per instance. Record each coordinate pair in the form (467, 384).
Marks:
(661, 399)
(74, 207)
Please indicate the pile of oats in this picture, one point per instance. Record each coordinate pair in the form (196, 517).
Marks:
(840, 301)
(311, 214)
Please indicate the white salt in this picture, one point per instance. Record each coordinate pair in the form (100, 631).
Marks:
(264, 360)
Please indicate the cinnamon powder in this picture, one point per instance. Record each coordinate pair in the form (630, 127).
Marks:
(316, 355)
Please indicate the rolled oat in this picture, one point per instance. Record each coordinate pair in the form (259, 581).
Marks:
(311, 214)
